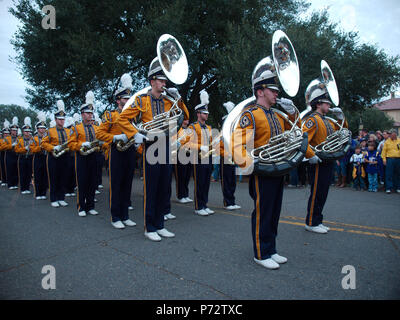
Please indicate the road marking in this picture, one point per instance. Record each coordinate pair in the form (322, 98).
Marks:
(286, 220)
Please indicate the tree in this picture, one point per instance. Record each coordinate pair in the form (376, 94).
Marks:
(372, 119)
(10, 111)
(95, 42)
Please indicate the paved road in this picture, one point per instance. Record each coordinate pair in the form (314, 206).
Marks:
(210, 257)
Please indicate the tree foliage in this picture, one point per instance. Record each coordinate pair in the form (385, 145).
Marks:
(13, 110)
(95, 42)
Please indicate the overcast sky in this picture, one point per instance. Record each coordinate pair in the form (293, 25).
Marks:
(376, 21)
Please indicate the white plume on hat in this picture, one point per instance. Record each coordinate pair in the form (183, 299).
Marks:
(15, 121)
(96, 117)
(19, 131)
(6, 124)
(204, 97)
(76, 117)
(27, 121)
(90, 97)
(126, 81)
(68, 122)
(60, 105)
(229, 106)
(41, 116)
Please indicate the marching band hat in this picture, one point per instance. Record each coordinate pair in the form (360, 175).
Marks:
(6, 128)
(76, 118)
(41, 116)
(125, 88)
(27, 127)
(204, 101)
(317, 92)
(89, 105)
(60, 114)
(14, 125)
(265, 76)
(155, 71)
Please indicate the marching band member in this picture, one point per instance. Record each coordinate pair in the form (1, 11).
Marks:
(259, 121)
(23, 149)
(121, 164)
(56, 141)
(156, 176)
(183, 171)
(228, 168)
(70, 182)
(83, 135)
(6, 133)
(11, 158)
(201, 143)
(318, 128)
(40, 179)
(99, 156)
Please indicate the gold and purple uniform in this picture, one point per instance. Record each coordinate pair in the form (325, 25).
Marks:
(318, 128)
(121, 167)
(56, 167)
(11, 161)
(261, 124)
(157, 176)
(24, 162)
(40, 178)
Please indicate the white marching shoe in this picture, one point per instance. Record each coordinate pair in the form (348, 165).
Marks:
(325, 227)
(62, 203)
(55, 204)
(153, 236)
(188, 199)
(82, 213)
(183, 200)
(100, 186)
(165, 233)
(267, 263)
(118, 225)
(97, 192)
(209, 211)
(237, 207)
(201, 212)
(279, 259)
(25, 192)
(129, 223)
(169, 216)
(13, 188)
(38, 198)
(130, 208)
(230, 208)
(316, 229)
(93, 212)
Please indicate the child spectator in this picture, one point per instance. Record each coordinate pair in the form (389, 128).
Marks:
(371, 159)
(358, 171)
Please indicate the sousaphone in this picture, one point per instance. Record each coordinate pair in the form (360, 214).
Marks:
(285, 151)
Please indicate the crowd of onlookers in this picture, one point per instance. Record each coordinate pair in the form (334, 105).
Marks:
(372, 163)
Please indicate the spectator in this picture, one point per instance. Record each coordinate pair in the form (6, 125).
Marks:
(358, 171)
(371, 159)
(391, 158)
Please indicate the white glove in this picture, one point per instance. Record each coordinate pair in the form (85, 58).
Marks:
(287, 104)
(174, 93)
(204, 149)
(314, 160)
(120, 137)
(14, 144)
(178, 145)
(57, 148)
(27, 148)
(86, 144)
(338, 113)
(139, 138)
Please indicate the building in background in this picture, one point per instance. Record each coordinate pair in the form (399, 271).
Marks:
(391, 108)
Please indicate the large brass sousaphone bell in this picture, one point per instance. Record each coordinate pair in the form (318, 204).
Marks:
(174, 64)
(336, 144)
(285, 151)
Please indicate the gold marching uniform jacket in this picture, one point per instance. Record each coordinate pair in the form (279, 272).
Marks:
(35, 146)
(260, 123)
(8, 141)
(22, 143)
(318, 128)
(144, 109)
(54, 138)
(108, 129)
(79, 134)
(201, 136)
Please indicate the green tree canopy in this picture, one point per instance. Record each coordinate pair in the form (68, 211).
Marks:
(95, 42)
(10, 111)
